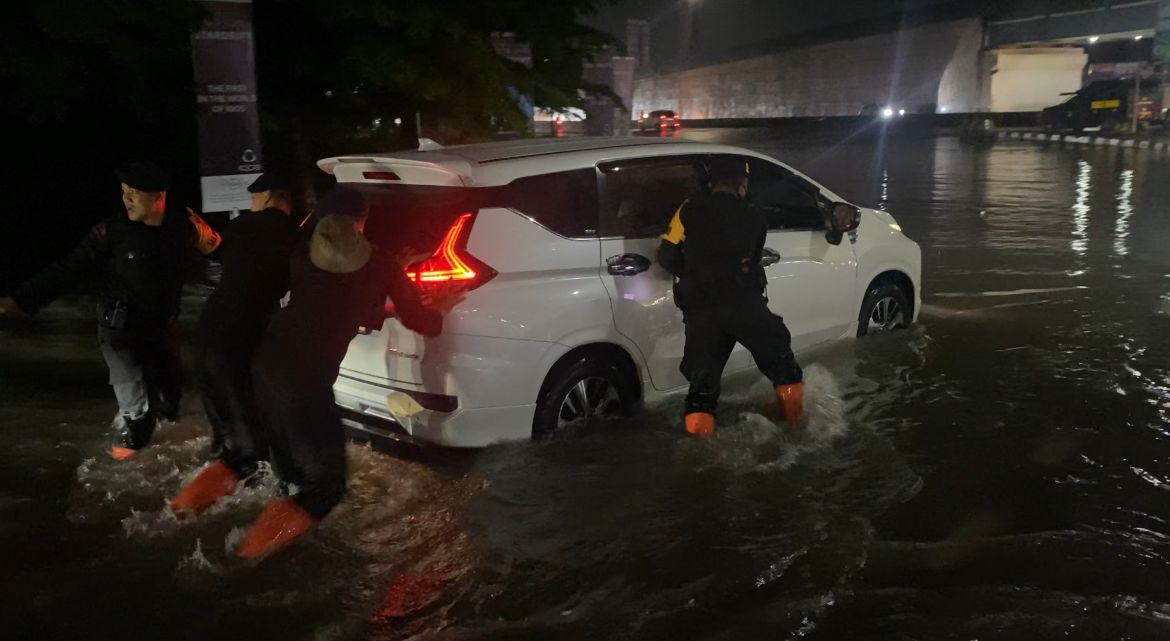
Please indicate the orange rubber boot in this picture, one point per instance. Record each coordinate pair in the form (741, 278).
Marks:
(701, 424)
(791, 400)
(282, 522)
(215, 482)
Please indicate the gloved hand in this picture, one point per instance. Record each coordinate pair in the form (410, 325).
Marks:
(443, 298)
(9, 309)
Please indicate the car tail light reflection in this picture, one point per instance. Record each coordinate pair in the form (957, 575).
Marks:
(451, 262)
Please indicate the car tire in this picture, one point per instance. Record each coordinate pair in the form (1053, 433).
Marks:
(886, 308)
(583, 389)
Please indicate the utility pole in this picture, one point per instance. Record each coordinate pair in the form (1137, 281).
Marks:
(1137, 97)
(1162, 51)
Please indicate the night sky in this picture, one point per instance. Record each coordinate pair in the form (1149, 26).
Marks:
(723, 28)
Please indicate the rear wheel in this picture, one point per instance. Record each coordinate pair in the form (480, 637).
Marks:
(581, 391)
(886, 308)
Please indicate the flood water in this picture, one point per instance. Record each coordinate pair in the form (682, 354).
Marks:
(1002, 471)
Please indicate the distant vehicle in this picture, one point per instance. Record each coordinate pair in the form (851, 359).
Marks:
(567, 315)
(1103, 105)
(887, 112)
(660, 120)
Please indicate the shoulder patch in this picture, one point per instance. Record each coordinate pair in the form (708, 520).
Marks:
(675, 233)
(206, 239)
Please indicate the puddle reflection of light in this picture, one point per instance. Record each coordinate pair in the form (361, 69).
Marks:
(1125, 212)
(1080, 241)
(884, 204)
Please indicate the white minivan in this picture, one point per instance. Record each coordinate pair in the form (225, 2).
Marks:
(568, 316)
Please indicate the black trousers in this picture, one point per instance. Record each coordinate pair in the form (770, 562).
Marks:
(305, 433)
(712, 331)
(145, 368)
(223, 376)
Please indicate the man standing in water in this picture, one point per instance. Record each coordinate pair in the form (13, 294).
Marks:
(137, 261)
(337, 280)
(254, 256)
(714, 247)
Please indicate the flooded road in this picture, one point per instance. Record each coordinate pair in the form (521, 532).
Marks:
(999, 472)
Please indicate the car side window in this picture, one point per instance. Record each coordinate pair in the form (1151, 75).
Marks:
(788, 201)
(564, 201)
(639, 197)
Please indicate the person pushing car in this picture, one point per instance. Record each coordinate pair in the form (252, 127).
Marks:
(714, 247)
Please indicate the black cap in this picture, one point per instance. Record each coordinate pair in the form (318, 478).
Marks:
(726, 169)
(271, 179)
(144, 176)
(342, 201)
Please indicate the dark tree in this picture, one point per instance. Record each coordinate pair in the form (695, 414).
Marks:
(88, 84)
(335, 74)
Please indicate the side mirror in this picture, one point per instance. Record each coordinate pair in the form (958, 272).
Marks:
(843, 218)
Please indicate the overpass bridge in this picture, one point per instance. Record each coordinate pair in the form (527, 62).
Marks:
(1020, 63)
(1111, 21)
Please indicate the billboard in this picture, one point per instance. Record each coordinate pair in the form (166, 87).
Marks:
(226, 109)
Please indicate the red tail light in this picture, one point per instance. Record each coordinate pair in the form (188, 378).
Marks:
(451, 263)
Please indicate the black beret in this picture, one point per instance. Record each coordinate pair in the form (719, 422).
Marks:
(342, 201)
(272, 179)
(145, 176)
(726, 169)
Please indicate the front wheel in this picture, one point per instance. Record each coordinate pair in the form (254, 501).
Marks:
(886, 308)
(584, 390)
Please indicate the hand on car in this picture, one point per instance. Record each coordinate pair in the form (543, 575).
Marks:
(444, 297)
(407, 256)
(9, 309)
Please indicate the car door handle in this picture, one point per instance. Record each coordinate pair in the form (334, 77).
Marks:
(627, 264)
(769, 257)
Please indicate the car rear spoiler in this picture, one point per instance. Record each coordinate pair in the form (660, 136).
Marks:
(448, 171)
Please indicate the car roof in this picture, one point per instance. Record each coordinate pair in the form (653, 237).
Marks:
(500, 162)
(488, 152)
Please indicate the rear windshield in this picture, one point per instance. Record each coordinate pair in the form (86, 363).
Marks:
(418, 216)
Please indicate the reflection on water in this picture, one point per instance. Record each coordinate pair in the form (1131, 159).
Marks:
(1081, 208)
(996, 473)
(1124, 212)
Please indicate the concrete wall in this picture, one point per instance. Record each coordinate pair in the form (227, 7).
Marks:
(912, 69)
(1032, 79)
(962, 88)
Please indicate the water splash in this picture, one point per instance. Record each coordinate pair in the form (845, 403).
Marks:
(198, 562)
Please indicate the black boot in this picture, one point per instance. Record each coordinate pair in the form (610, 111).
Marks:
(136, 433)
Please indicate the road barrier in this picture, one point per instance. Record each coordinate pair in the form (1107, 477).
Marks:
(1095, 141)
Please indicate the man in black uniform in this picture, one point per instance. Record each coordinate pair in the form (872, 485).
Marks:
(254, 255)
(713, 247)
(137, 260)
